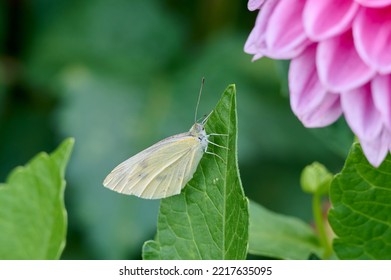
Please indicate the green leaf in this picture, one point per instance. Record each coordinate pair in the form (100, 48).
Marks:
(209, 219)
(360, 217)
(280, 236)
(33, 219)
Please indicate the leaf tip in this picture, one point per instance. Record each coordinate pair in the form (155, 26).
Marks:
(231, 89)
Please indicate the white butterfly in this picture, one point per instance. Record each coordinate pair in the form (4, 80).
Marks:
(163, 169)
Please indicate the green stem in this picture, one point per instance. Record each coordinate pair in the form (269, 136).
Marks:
(320, 225)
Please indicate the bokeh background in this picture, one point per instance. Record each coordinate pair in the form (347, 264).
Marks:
(120, 75)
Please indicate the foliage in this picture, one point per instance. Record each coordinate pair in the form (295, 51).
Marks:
(280, 236)
(33, 218)
(360, 217)
(209, 219)
(101, 73)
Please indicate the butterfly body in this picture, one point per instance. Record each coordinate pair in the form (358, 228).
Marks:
(163, 169)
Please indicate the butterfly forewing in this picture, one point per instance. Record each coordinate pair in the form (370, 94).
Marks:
(160, 171)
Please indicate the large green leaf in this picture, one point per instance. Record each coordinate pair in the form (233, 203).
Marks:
(279, 236)
(209, 219)
(33, 219)
(361, 213)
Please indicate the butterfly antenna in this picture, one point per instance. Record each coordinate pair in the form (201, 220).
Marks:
(199, 98)
(206, 118)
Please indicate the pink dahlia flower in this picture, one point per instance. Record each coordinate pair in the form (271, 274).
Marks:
(340, 53)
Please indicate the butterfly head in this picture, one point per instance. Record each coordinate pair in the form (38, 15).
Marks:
(198, 131)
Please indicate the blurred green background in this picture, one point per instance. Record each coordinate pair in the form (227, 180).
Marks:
(120, 75)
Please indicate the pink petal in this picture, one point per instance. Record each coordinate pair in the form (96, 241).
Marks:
(311, 103)
(326, 18)
(381, 94)
(253, 5)
(374, 3)
(339, 66)
(255, 43)
(285, 36)
(372, 37)
(325, 114)
(377, 149)
(361, 114)
(306, 91)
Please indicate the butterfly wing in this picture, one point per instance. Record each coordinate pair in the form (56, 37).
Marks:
(161, 170)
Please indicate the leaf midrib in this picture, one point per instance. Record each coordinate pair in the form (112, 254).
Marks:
(225, 181)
